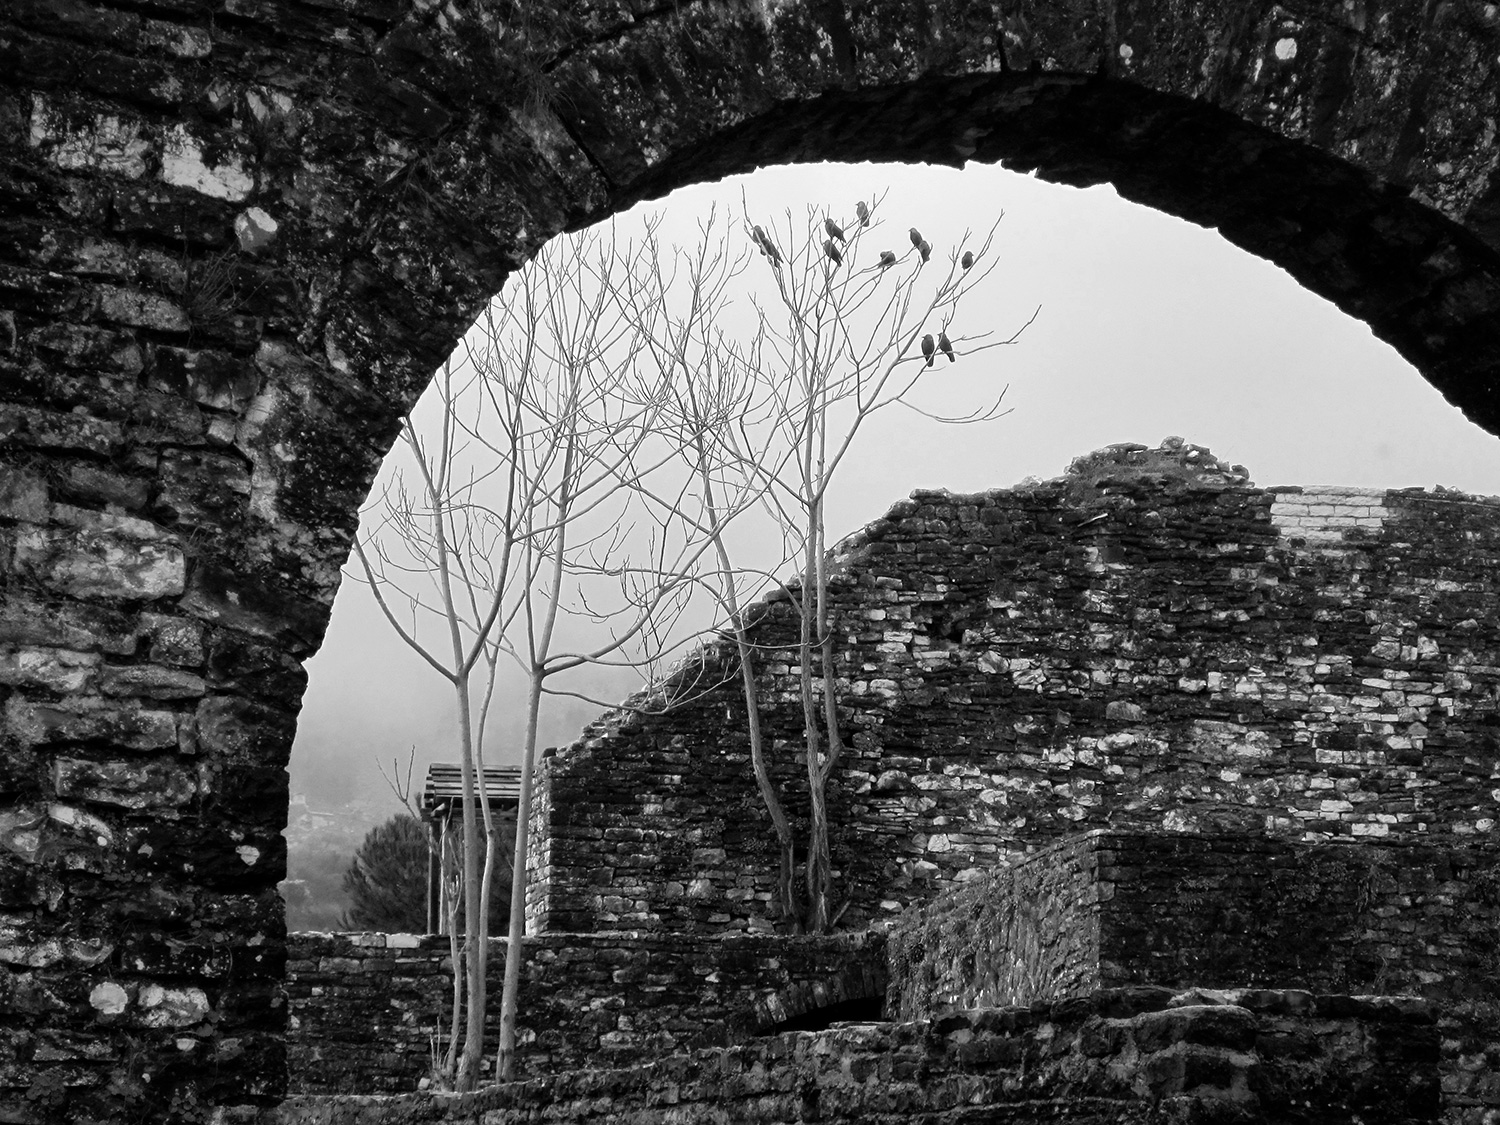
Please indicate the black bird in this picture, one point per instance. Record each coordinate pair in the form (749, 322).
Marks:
(928, 348)
(863, 212)
(834, 229)
(916, 237)
(767, 247)
(925, 249)
(946, 347)
(887, 259)
(967, 260)
(833, 252)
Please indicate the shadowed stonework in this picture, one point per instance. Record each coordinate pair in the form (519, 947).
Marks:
(236, 236)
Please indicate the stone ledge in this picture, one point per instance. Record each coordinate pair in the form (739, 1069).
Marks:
(1118, 1055)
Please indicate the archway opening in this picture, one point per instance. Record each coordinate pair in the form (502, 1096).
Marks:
(862, 1009)
(1149, 326)
(406, 185)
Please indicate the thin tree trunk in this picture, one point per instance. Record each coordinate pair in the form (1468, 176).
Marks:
(790, 911)
(450, 1057)
(540, 645)
(505, 1059)
(475, 945)
(816, 876)
(785, 883)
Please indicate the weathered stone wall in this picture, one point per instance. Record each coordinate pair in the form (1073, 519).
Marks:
(1124, 1057)
(1147, 642)
(1109, 908)
(237, 236)
(364, 1007)
(1023, 934)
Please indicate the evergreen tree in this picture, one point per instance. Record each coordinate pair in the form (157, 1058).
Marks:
(387, 879)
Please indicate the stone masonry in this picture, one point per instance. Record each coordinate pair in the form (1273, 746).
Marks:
(364, 1007)
(1110, 909)
(1148, 642)
(1145, 725)
(1142, 1056)
(237, 236)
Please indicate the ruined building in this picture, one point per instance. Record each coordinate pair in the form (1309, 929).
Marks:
(1145, 726)
(236, 238)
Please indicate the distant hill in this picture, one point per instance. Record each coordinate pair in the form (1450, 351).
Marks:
(320, 843)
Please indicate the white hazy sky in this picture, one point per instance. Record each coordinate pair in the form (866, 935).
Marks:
(1149, 326)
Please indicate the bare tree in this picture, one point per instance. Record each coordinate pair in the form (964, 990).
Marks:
(555, 489)
(446, 547)
(773, 418)
(851, 334)
(525, 512)
(716, 418)
(555, 361)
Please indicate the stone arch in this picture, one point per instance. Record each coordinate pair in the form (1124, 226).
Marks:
(238, 237)
(859, 992)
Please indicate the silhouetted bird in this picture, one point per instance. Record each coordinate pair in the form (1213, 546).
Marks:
(767, 247)
(834, 229)
(863, 212)
(928, 348)
(967, 260)
(916, 237)
(925, 249)
(946, 347)
(887, 259)
(833, 252)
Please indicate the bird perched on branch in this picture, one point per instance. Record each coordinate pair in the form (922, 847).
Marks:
(863, 212)
(833, 252)
(887, 259)
(916, 237)
(767, 247)
(947, 348)
(834, 230)
(967, 260)
(928, 347)
(925, 249)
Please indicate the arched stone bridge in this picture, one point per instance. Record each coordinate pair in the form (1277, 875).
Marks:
(236, 236)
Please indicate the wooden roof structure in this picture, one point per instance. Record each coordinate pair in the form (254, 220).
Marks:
(443, 794)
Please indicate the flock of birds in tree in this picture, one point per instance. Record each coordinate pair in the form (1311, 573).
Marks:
(930, 346)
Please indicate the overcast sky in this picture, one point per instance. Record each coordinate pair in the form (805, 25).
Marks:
(1148, 327)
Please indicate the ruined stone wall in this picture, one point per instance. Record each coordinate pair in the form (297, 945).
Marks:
(1017, 935)
(1147, 642)
(1110, 908)
(364, 1007)
(1125, 1057)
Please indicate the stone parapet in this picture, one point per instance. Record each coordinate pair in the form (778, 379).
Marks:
(366, 1011)
(1121, 1057)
